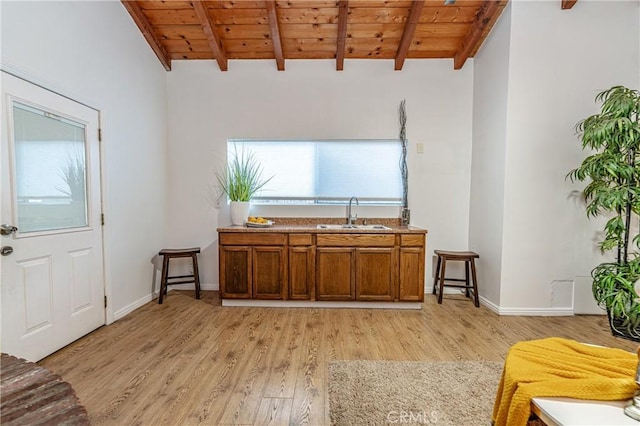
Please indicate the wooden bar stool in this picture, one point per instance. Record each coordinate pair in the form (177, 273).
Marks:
(166, 281)
(468, 257)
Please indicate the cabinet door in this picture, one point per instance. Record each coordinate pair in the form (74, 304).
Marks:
(301, 267)
(376, 275)
(412, 274)
(269, 272)
(235, 272)
(335, 273)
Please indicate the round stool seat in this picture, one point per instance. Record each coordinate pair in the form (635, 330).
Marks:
(179, 252)
(167, 280)
(468, 257)
(457, 254)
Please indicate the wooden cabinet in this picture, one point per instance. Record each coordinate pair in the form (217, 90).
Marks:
(269, 272)
(253, 266)
(382, 267)
(335, 273)
(301, 267)
(235, 272)
(356, 267)
(376, 274)
(411, 270)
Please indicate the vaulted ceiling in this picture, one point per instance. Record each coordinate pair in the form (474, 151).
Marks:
(306, 29)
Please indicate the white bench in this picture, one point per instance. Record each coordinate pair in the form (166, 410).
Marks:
(576, 412)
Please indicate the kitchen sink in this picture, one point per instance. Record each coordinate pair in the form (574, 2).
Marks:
(335, 226)
(386, 228)
(364, 227)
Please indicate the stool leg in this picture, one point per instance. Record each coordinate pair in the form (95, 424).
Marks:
(466, 278)
(442, 275)
(435, 275)
(475, 284)
(163, 281)
(196, 274)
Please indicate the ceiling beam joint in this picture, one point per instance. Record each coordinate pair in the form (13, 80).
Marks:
(407, 34)
(486, 17)
(133, 7)
(274, 26)
(343, 14)
(212, 38)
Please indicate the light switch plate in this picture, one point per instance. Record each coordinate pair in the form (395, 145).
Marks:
(420, 148)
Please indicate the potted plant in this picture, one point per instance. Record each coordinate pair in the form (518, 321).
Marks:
(241, 180)
(612, 172)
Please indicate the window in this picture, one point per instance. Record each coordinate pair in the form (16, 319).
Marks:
(50, 170)
(326, 171)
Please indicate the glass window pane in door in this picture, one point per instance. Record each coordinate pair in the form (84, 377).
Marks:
(50, 172)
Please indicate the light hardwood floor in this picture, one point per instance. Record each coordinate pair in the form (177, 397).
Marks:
(194, 362)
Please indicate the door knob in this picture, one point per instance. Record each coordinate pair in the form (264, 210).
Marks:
(7, 229)
(6, 250)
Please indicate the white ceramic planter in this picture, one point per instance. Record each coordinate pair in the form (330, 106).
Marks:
(239, 212)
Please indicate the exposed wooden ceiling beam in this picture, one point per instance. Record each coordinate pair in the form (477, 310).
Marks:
(568, 4)
(147, 31)
(486, 17)
(275, 33)
(407, 34)
(343, 13)
(212, 38)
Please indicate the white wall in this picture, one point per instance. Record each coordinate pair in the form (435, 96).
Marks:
(312, 100)
(558, 61)
(93, 51)
(490, 82)
(585, 50)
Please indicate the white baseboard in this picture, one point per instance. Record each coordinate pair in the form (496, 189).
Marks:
(213, 287)
(537, 312)
(362, 305)
(530, 312)
(490, 305)
(319, 304)
(501, 310)
(447, 290)
(121, 313)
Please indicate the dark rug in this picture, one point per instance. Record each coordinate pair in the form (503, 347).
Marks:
(32, 395)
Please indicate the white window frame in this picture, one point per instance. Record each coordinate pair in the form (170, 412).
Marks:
(262, 198)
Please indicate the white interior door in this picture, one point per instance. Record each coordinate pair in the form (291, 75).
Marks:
(52, 264)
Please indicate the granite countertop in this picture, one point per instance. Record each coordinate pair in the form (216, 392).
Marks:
(309, 225)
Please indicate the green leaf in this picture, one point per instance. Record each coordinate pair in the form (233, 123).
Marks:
(611, 173)
(242, 178)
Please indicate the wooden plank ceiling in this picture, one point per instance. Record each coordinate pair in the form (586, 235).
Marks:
(306, 29)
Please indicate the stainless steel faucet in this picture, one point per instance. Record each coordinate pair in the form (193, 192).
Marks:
(351, 219)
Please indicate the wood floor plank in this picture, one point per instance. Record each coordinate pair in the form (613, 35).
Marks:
(274, 412)
(281, 377)
(247, 395)
(195, 362)
(308, 398)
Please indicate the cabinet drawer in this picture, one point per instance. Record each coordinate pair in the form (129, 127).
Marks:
(355, 240)
(252, 239)
(300, 239)
(412, 240)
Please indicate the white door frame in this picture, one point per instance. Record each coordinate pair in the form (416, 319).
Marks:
(75, 97)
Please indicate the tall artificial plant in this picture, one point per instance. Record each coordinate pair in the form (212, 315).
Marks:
(242, 178)
(612, 173)
(402, 114)
(404, 170)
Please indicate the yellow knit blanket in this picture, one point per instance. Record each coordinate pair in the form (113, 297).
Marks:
(561, 368)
